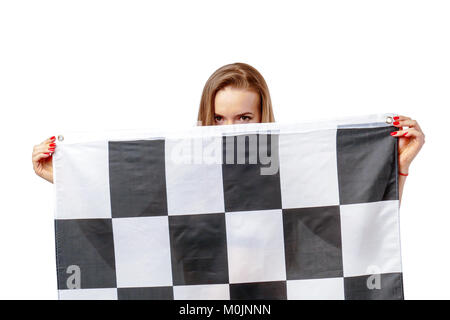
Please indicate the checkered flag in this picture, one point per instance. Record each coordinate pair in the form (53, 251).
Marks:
(254, 211)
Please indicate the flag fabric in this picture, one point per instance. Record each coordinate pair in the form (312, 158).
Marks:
(253, 211)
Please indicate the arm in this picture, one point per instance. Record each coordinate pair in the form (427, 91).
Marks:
(410, 142)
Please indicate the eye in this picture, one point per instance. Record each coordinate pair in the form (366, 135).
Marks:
(245, 118)
(218, 118)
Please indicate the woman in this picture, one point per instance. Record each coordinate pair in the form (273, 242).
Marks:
(238, 93)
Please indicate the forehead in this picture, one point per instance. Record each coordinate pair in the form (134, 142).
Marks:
(234, 100)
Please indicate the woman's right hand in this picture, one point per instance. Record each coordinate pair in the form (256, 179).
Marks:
(42, 159)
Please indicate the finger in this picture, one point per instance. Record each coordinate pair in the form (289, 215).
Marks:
(49, 140)
(400, 117)
(410, 132)
(44, 148)
(41, 156)
(50, 145)
(407, 123)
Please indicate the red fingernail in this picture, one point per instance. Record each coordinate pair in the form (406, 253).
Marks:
(393, 133)
(404, 135)
(51, 149)
(47, 153)
(396, 118)
(396, 123)
(53, 138)
(52, 144)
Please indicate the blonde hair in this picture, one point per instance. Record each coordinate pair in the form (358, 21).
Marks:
(238, 75)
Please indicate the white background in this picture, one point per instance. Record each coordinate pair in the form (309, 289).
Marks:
(107, 65)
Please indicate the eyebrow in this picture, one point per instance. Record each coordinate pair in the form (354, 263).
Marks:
(239, 115)
(245, 113)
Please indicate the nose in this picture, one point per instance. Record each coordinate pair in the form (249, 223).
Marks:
(229, 121)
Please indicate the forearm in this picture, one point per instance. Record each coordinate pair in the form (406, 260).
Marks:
(401, 184)
(403, 170)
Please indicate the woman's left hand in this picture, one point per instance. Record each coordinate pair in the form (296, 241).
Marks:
(410, 142)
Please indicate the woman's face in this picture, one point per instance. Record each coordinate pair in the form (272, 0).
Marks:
(234, 106)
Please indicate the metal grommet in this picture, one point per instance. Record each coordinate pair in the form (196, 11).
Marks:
(60, 137)
(389, 120)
